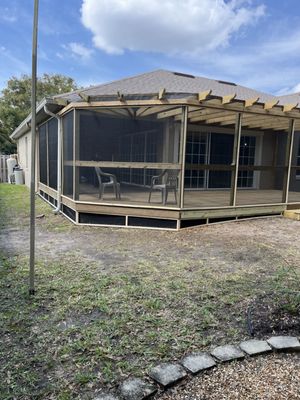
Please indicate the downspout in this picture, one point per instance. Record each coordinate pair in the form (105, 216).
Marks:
(59, 156)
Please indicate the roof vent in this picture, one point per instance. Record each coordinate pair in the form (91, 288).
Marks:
(184, 75)
(227, 83)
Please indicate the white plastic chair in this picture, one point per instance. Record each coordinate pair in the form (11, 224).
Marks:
(107, 180)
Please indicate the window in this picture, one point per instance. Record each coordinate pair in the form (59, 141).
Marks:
(196, 154)
(247, 157)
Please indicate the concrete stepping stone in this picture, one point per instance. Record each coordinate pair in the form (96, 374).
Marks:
(253, 347)
(137, 389)
(227, 353)
(284, 342)
(197, 362)
(167, 374)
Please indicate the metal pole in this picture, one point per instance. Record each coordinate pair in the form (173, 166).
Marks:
(33, 133)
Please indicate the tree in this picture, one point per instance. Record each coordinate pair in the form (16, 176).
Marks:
(15, 102)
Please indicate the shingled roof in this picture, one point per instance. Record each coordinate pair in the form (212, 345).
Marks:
(174, 83)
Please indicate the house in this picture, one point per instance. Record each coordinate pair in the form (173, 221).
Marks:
(166, 150)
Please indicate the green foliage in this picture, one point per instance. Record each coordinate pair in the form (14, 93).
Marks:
(15, 102)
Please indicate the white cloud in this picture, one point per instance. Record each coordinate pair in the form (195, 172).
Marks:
(166, 26)
(78, 50)
(295, 89)
(8, 14)
(289, 90)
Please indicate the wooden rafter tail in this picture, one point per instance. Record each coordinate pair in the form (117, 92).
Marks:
(204, 95)
(161, 94)
(227, 99)
(290, 107)
(120, 96)
(84, 97)
(270, 104)
(250, 102)
(61, 102)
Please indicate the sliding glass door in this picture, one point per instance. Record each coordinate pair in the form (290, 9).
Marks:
(209, 158)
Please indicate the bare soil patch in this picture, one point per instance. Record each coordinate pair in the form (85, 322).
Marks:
(111, 303)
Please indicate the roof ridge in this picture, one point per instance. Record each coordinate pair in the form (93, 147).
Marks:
(125, 79)
(289, 94)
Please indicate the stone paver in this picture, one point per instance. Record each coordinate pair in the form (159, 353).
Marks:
(284, 342)
(197, 362)
(167, 374)
(227, 353)
(254, 346)
(136, 389)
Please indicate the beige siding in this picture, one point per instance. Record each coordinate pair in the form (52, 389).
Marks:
(24, 155)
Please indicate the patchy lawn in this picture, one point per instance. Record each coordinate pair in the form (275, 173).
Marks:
(112, 302)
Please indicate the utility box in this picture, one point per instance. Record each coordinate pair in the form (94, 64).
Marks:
(19, 176)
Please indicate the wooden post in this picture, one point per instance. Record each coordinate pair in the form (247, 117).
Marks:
(182, 154)
(76, 171)
(235, 158)
(288, 161)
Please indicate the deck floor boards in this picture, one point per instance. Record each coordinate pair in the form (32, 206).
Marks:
(201, 198)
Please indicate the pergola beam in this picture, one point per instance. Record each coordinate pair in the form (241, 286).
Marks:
(84, 97)
(270, 104)
(220, 119)
(61, 102)
(235, 106)
(251, 118)
(228, 98)
(290, 107)
(120, 96)
(204, 95)
(171, 113)
(209, 115)
(161, 93)
(251, 102)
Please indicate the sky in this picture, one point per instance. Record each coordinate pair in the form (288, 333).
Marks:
(250, 42)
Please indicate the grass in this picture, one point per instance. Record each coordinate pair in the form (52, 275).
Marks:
(89, 326)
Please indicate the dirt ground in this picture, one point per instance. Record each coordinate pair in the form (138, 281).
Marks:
(111, 302)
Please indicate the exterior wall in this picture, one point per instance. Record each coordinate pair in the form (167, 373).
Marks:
(267, 178)
(24, 155)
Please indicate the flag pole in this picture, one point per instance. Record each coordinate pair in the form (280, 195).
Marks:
(33, 151)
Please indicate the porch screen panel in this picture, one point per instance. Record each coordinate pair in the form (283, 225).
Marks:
(208, 159)
(43, 154)
(294, 186)
(52, 152)
(68, 154)
(117, 140)
(261, 163)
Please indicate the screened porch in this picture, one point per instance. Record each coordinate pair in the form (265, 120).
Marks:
(186, 159)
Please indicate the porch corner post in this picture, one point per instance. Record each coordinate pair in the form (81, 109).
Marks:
(235, 158)
(288, 161)
(183, 137)
(75, 155)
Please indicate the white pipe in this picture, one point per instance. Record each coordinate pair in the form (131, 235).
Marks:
(59, 156)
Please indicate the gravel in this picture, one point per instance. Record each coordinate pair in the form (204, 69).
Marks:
(276, 376)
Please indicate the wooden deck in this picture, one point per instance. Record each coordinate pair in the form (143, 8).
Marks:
(132, 195)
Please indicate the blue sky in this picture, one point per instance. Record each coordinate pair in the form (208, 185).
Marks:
(254, 43)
